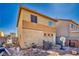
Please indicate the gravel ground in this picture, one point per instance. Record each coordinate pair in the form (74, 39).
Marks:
(40, 52)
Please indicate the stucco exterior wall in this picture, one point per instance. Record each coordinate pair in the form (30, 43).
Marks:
(34, 36)
(26, 15)
(74, 34)
(29, 32)
(62, 28)
(19, 32)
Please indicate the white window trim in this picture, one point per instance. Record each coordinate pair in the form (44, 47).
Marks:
(74, 26)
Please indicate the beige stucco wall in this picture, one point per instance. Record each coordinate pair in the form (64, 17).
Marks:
(19, 32)
(62, 28)
(72, 31)
(74, 34)
(34, 36)
(41, 20)
(27, 35)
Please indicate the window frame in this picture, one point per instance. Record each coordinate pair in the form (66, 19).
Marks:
(33, 18)
(44, 34)
(50, 24)
(72, 26)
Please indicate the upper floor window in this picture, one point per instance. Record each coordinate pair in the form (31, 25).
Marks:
(33, 18)
(71, 25)
(50, 24)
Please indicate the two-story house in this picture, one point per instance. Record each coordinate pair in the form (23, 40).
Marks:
(70, 30)
(34, 27)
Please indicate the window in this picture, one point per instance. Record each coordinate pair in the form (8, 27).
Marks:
(48, 34)
(44, 34)
(72, 25)
(50, 24)
(33, 18)
(51, 34)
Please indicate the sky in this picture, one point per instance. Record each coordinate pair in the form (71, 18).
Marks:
(9, 13)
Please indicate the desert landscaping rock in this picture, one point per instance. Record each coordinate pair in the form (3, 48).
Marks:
(55, 51)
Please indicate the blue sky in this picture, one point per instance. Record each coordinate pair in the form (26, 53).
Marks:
(9, 13)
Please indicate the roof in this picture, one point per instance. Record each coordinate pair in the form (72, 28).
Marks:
(69, 21)
(20, 8)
